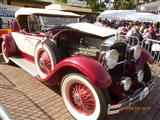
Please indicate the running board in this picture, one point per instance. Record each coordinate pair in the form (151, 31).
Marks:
(26, 65)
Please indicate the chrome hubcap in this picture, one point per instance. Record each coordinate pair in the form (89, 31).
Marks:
(77, 99)
(41, 63)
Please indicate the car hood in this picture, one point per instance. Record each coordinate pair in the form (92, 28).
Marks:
(93, 29)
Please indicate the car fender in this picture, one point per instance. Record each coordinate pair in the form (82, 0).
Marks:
(92, 69)
(144, 58)
(11, 45)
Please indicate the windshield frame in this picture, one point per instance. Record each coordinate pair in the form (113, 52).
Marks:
(42, 23)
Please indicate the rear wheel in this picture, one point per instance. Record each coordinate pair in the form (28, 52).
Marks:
(83, 100)
(44, 59)
(5, 53)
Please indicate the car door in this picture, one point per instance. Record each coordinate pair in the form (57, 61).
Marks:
(26, 42)
(31, 40)
(27, 38)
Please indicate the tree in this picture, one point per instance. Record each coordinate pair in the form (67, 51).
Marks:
(8, 2)
(62, 1)
(125, 4)
(93, 4)
(118, 4)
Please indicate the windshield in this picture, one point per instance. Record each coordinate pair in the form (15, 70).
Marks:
(51, 21)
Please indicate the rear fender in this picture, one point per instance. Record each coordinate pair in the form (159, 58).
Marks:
(92, 69)
(144, 58)
(11, 45)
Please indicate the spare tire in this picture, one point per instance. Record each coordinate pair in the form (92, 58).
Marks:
(45, 59)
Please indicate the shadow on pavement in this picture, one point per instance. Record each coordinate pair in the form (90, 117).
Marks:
(1, 58)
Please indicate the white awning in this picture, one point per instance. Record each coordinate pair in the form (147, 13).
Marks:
(32, 11)
(129, 15)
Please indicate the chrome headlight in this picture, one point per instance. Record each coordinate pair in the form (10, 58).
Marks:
(126, 83)
(140, 75)
(111, 58)
(137, 51)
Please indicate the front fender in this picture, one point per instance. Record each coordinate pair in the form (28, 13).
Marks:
(11, 45)
(145, 57)
(92, 69)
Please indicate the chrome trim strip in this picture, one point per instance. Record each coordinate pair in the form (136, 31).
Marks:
(121, 62)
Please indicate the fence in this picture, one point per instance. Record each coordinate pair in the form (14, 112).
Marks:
(152, 46)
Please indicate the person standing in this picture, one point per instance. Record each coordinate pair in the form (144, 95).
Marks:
(137, 34)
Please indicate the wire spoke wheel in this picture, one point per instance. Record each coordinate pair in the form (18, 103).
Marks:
(44, 59)
(82, 99)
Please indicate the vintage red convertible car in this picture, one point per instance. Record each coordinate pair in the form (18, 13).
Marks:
(98, 74)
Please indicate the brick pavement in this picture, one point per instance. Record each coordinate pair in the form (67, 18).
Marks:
(28, 99)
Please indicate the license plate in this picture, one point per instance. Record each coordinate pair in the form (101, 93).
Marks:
(144, 93)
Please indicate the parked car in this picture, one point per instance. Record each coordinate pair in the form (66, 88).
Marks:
(98, 74)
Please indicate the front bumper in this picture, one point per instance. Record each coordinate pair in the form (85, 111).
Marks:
(138, 95)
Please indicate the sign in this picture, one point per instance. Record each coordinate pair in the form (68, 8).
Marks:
(77, 3)
(7, 14)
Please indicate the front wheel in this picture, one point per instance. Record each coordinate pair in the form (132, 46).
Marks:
(83, 100)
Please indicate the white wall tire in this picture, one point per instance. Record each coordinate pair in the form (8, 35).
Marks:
(76, 102)
(45, 60)
(5, 53)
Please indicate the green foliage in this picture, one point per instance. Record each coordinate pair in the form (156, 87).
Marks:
(150, 1)
(100, 7)
(123, 5)
(93, 4)
(62, 1)
(118, 4)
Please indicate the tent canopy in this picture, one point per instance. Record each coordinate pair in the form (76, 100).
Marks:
(130, 15)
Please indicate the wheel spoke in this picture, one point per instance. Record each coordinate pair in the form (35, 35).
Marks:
(44, 54)
(44, 61)
(82, 98)
(46, 69)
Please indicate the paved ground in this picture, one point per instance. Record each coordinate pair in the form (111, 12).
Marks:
(28, 99)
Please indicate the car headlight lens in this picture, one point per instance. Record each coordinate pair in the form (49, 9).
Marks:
(111, 58)
(140, 75)
(136, 52)
(126, 83)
